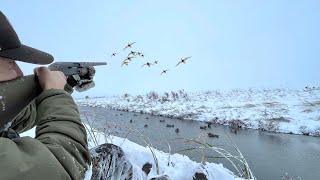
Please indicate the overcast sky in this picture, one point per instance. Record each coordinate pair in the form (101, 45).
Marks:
(233, 43)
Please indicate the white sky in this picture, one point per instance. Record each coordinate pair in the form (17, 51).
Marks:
(233, 44)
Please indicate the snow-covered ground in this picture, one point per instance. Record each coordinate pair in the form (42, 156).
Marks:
(276, 110)
(175, 166)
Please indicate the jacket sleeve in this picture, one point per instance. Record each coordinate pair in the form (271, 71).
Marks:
(59, 150)
(26, 120)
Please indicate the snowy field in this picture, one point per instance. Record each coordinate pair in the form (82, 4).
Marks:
(275, 110)
(174, 166)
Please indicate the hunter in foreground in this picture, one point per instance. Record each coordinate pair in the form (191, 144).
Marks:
(60, 149)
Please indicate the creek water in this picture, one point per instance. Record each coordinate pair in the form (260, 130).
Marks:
(269, 155)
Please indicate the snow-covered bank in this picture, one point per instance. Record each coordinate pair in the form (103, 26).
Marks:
(175, 166)
(276, 110)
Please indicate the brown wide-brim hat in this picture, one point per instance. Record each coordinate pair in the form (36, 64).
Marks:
(11, 47)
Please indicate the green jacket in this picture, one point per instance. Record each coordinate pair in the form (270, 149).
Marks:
(59, 150)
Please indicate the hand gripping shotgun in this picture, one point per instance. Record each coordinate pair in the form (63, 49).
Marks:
(17, 94)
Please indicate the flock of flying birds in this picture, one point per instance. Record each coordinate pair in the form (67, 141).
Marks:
(133, 54)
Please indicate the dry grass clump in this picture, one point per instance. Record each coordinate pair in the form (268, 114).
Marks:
(239, 163)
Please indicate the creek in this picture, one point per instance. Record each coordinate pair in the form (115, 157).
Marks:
(269, 155)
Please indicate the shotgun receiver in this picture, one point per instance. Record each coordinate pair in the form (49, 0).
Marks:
(17, 94)
(73, 68)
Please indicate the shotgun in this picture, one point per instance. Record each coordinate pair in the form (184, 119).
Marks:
(17, 94)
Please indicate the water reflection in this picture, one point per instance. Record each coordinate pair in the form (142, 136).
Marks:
(273, 138)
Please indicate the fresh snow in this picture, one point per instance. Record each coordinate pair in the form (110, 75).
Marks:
(176, 166)
(275, 110)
